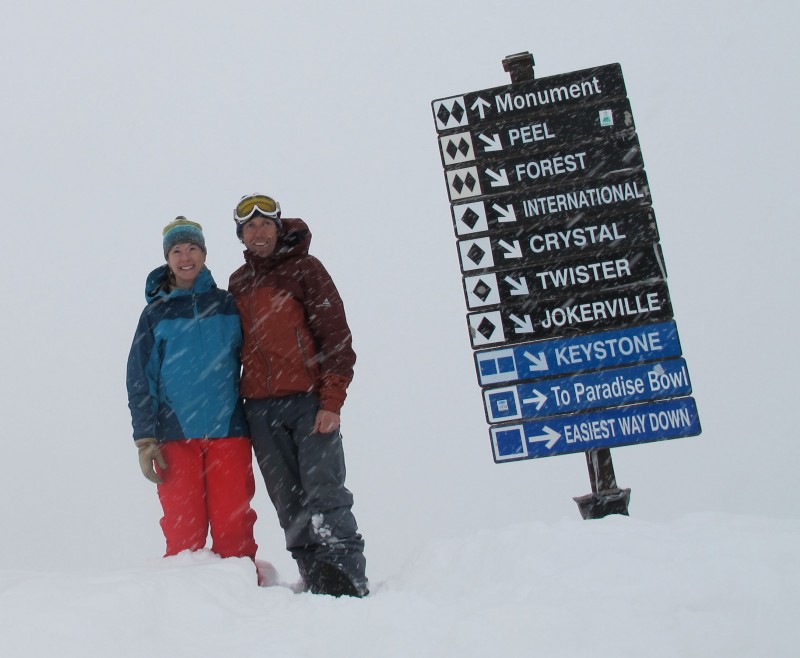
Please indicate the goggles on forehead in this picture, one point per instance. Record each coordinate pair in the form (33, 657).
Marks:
(256, 204)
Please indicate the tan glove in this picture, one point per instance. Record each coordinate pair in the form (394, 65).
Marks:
(149, 451)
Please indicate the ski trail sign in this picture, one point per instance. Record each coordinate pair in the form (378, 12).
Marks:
(613, 427)
(561, 356)
(565, 283)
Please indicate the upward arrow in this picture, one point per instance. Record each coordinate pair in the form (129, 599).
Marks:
(480, 105)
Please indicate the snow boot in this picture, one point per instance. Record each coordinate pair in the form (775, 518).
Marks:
(325, 578)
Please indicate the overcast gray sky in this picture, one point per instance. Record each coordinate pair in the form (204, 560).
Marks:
(118, 116)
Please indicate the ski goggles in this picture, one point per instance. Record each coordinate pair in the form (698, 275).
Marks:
(256, 204)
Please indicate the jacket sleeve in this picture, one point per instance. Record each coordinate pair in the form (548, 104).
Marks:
(142, 380)
(328, 325)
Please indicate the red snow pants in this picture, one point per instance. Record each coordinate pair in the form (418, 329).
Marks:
(208, 482)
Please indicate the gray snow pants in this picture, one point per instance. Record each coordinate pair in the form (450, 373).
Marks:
(304, 473)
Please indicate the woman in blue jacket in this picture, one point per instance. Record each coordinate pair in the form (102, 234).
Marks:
(183, 393)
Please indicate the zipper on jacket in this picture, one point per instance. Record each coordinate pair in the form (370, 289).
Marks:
(303, 356)
(254, 338)
(196, 314)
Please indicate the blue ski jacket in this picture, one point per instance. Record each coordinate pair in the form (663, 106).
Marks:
(184, 363)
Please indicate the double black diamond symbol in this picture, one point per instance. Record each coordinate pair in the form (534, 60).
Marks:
(454, 149)
(457, 112)
(469, 181)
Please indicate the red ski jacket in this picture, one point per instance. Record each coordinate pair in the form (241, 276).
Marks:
(296, 337)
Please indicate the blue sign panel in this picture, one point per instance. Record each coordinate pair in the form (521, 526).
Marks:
(560, 356)
(619, 426)
(593, 390)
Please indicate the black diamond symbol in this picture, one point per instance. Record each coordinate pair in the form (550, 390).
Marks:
(476, 254)
(470, 182)
(458, 111)
(482, 291)
(463, 147)
(470, 218)
(458, 184)
(486, 328)
(443, 114)
(451, 149)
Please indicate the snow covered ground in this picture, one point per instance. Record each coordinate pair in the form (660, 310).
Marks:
(704, 585)
(118, 116)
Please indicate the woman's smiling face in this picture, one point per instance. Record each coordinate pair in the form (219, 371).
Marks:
(185, 260)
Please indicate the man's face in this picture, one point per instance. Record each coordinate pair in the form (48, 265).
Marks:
(260, 235)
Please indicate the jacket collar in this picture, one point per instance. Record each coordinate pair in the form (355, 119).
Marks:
(156, 284)
(294, 240)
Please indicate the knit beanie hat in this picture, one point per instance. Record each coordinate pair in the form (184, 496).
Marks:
(182, 230)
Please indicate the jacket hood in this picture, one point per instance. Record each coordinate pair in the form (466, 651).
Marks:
(294, 240)
(156, 284)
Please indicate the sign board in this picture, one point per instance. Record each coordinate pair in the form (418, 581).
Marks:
(532, 134)
(556, 277)
(534, 97)
(618, 426)
(586, 391)
(532, 171)
(562, 270)
(560, 356)
(531, 245)
(546, 318)
(615, 193)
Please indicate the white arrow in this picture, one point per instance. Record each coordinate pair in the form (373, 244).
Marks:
(517, 287)
(480, 105)
(550, 435)
(513, 250)
(523, 326)
(493, 143)
(538, 361)
(498, 179)
(505, 213)
(539, 399)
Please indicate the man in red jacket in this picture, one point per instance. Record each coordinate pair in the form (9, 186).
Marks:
(297, 362)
